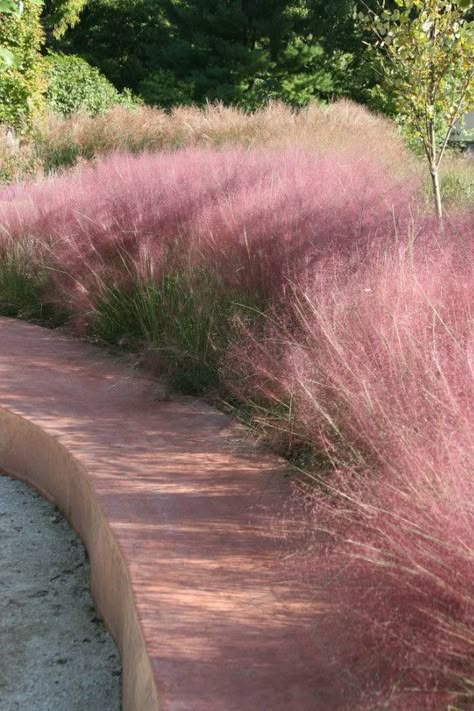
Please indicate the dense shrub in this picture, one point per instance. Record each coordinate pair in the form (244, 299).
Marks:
(75, 86)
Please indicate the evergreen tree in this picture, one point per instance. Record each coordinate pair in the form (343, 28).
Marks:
(238, 51)
(123, 38)
(246, 52)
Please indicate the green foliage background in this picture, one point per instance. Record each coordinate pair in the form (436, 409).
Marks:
(22, 84)
(73, 85)
(240, 52)
(173, 52)
(58, 15)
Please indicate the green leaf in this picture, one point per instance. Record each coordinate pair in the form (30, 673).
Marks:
(6, 57)
(8, 6)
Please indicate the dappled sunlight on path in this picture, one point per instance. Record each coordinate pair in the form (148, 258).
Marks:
(194, 517)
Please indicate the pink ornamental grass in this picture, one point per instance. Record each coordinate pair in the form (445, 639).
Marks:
(250, 217)
(373, 366)
(367, 358)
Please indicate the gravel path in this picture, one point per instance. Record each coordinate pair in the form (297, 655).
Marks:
(55, 655)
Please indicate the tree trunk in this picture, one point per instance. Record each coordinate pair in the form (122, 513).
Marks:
(436, 193)
(434, 170)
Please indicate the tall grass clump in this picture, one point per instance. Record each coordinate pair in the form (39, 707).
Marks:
(162, 245)
(370, 364)
(343, 125)
(282, 273)
(23, 285)
(18, 160)
(182, 320)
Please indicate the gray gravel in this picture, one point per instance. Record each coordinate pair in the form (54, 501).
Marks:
(55, 655)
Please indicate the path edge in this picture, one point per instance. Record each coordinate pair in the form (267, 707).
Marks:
(31, 455)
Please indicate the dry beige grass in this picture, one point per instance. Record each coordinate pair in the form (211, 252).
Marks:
(343, 125)
(17, 160)
(457, 181)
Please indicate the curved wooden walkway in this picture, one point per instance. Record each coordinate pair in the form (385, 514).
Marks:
(178, 525)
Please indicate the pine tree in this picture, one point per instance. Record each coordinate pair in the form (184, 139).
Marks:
(241, 52)
(123, 38)
(245, 52)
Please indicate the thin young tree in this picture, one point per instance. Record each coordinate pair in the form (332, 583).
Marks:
(427, 51)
